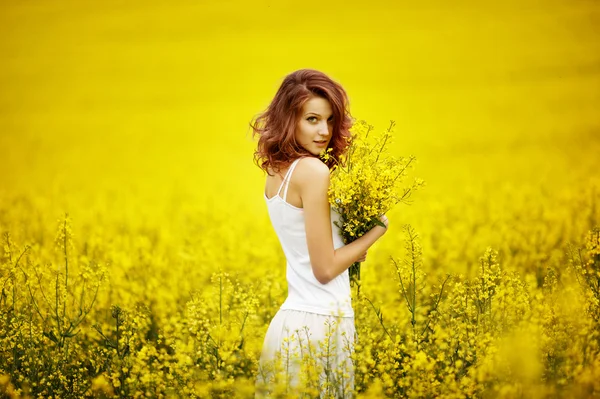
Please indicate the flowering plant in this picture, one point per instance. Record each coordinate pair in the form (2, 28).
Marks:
(366, 183)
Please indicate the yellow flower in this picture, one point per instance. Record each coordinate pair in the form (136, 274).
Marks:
(369, 183)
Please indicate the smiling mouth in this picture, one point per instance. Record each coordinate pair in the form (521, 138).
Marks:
(321, 142)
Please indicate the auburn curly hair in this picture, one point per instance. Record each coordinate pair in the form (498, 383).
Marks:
(276, 127)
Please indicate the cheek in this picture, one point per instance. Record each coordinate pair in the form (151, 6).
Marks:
(305, 132)
(300, 132)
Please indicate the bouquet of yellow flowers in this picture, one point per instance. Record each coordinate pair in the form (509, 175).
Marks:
(366, 183)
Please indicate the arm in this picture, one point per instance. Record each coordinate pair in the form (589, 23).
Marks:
(327, 263)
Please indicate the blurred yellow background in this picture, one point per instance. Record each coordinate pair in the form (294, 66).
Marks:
(159, 95)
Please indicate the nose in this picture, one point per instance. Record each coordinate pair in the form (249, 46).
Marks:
(324, 129)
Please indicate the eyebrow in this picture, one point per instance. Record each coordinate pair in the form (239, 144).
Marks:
(315, 113)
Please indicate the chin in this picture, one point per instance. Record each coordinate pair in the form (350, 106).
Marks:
(316, 153)
(313, 151)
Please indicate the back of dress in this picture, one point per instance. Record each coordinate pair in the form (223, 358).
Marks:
(305, 292)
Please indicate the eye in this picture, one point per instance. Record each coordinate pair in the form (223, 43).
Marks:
(315, 118)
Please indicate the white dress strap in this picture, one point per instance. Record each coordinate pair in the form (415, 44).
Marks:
(284, 179)
(287, 178)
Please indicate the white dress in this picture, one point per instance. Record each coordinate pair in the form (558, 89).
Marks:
(309, 342)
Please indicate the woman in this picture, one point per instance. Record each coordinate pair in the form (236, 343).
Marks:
(308, 344)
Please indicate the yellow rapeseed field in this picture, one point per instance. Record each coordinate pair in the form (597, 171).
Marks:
(137, 257)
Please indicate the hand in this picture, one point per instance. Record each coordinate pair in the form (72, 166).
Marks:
(384, 220)
(363, 257)
(380, 229)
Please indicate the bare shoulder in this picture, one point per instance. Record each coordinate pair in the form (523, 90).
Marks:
(311, 169)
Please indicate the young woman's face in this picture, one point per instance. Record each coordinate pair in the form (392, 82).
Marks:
(315, 126)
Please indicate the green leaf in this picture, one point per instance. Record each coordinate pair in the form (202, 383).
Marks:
(378, 222)
(51, 336)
